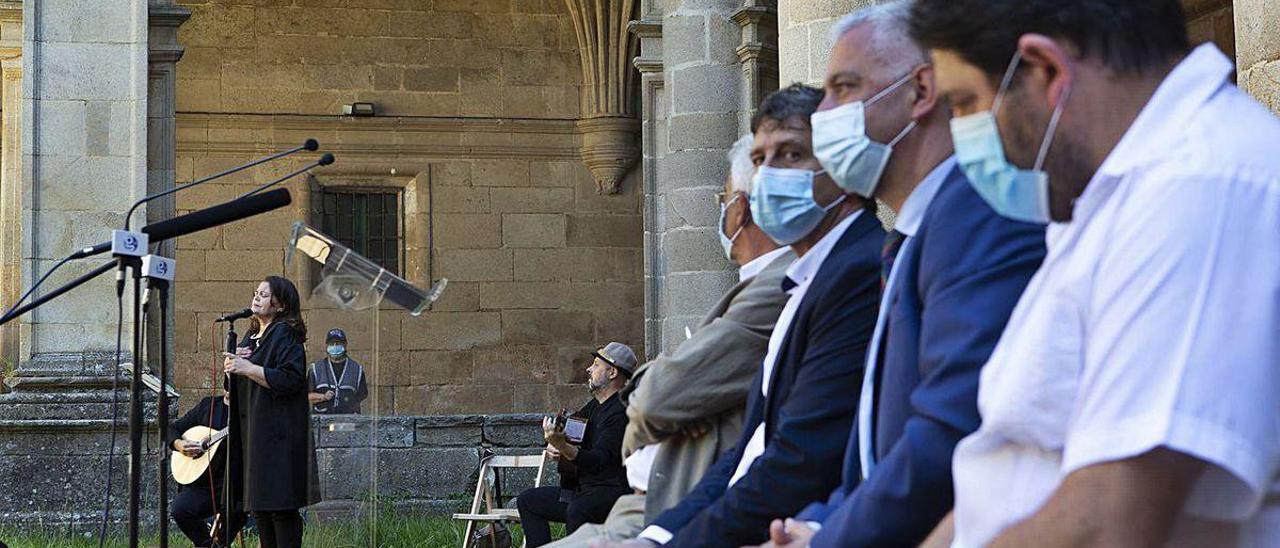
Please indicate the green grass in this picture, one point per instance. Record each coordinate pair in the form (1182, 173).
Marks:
(392, 531)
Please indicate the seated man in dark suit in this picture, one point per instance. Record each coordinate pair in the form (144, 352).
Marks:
(802, 403)
(599, 477)
(959, 269)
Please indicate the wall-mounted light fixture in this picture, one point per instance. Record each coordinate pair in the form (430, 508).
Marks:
(358, 109)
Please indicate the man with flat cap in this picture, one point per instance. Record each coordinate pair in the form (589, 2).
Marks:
(598, 477)
(338, 384)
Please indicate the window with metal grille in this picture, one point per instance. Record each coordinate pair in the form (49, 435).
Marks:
(370, 221)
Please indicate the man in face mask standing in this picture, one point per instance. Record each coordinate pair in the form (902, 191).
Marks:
(1132, 400)
(802, 403)
(337, 382)
(953, 269)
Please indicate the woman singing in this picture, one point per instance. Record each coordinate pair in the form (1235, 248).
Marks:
(269, 404)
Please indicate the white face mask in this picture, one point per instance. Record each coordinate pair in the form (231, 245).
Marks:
(841, 144)
(727, 241)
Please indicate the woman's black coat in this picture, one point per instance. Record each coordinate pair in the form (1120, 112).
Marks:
(274, 425)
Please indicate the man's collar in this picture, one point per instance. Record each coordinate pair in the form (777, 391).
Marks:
(804, 268)
(1188, 86)
(758, 264)
(912, 214)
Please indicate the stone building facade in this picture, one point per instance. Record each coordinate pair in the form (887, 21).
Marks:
(557, 160)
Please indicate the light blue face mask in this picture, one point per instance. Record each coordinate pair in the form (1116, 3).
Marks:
(1019, 194)
(782, 203)
(337, 350)
(727, 241)
(841, 144)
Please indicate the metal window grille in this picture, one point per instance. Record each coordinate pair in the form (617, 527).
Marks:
(370, 221)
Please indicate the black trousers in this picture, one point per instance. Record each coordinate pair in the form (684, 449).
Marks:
(279, 528)
(191, 510)
(541, 505)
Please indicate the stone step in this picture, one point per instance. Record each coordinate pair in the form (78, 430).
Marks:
(72, 411)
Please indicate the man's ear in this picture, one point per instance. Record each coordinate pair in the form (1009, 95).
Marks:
(1048, 67)
(925, 89)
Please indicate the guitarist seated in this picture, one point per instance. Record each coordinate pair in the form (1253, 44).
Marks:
(198, 501)
(592, 475)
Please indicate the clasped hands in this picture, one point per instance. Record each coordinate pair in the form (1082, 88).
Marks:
(238, 363)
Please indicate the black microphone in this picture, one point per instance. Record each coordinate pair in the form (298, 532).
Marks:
(221, 214)
(309, 145)
(324, 160)
(235, 316)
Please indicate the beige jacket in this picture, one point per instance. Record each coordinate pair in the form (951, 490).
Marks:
(704, 382)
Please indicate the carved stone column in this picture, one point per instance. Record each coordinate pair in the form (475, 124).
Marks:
(608, 125)
(648, 31)
(164, 52)
(759, 55)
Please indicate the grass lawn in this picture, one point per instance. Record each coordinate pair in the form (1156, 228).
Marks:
(391, 532)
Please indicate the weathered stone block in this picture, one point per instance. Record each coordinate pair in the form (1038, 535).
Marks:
(476, 265)
(532, 200)
(249, 266)
(694, 249)
(514, 430)
(700, 131)
(533, 230)
(605, 230)
(684, 39)
(433, 79)
(542, 326)
(459, 297)
(450, 431)
(436, 368)
(501, 173)
(456, 199)
(452, 330)
(517, 364)
(467, 230)
(512, 295)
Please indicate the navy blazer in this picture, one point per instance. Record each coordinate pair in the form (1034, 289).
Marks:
(962, 273)
(813, 395)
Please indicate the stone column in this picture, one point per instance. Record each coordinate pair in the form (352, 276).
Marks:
(699, 103)
(1257, 33)
(759, 55)
(804, 27)
(163, 55)
(648, 31)
(11, 195)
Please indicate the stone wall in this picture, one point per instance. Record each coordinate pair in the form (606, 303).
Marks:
(477, 103)
(804, 37)
(1257, 32)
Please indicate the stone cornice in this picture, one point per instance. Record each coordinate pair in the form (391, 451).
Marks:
(10, 11)
(168, 16)
(645, 28)
(380, 138)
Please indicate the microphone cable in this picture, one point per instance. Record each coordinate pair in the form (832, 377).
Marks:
(115, 404)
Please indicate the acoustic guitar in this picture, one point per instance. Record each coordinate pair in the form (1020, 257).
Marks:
(186, 469)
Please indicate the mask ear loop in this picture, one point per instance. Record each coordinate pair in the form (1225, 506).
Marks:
(886, 91)
(1004, 84)
(725, 218)
(1052, 130)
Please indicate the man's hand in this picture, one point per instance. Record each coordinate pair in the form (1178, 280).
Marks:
(552, 452)
(316, 397)
(243, 352)
(553, 435)
(189, 448)
(695, 430)
(788, 534)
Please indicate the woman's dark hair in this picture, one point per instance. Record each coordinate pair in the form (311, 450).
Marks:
(283, 292)
(1128, 36)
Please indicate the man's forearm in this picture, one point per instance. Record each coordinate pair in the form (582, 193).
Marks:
(1132, 502)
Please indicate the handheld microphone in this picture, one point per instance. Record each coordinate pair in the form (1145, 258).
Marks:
(235, 316)
(309, 145)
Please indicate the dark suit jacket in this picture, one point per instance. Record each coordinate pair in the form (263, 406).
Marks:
(813, 394)
(962, 273)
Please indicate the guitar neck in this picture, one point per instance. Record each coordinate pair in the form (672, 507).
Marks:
(215, 438)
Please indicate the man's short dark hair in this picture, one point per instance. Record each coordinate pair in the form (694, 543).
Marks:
(1128, 36)
(794, 100)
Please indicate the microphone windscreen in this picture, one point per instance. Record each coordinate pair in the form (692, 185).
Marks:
(326, 159)
(221, 214)
(311, 144)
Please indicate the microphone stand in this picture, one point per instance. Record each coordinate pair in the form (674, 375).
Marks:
(162, 415)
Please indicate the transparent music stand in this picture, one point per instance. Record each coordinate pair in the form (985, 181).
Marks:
(354, 293)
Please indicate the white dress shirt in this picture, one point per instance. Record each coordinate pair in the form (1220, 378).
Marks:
(908, 223)
(801, 272)
(757, 265)
(1153, 322)
(639, 464)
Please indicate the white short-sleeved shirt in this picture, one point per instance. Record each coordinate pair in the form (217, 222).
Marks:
(1153, 322)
